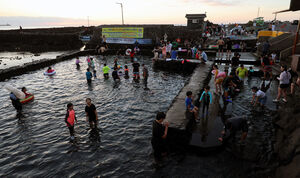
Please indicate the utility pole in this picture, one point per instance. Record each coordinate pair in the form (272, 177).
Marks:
(121, 12)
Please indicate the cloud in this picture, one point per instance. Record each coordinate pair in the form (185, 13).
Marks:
(214, 2)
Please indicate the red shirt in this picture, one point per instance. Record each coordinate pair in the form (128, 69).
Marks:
(131, 54)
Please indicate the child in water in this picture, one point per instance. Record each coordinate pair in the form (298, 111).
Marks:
(77, 62)
(24, 90)
(105, 70)
(50, 70)
(206, 97)
(126, 70)
(70, 119)
(88, 76)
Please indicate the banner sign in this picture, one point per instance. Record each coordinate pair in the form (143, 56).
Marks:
(123, 32)
(128, 41)
(85, 38)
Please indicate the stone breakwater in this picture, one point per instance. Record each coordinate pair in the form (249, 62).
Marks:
(41, 40)
(31, 66)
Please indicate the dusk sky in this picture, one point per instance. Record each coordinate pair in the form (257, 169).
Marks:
(74, 13)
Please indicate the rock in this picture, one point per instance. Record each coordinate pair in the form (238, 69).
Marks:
(290, 170)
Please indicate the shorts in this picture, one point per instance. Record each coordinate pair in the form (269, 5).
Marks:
(105, 75)
(267, 68)
(92, 119)
(282, 86)
(136, 74)
(89, 80)
(219, 80)
(229, 47)
(262, 100)
(221, 47)
(226, 89)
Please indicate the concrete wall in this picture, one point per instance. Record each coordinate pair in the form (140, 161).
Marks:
(41, 40)
(154, 32)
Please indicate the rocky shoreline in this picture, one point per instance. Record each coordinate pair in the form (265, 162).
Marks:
(287, 139)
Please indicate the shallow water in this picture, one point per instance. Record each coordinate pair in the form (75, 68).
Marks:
(11, 59)
(38, 145)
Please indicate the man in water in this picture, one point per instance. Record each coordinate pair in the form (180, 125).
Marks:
(91, 113)
(136, 70)
(234, 125)
(16, 103)
(159, 135)
(88, 76)
(105, 70)
(115, 75)
(145, 75)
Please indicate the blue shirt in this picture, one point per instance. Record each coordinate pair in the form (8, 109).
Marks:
(204, 56)
(188, 102)
(88, 75)
(205, 99)
(173, 54)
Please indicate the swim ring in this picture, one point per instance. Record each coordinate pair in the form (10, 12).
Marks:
(128, 51)
(27, 99)
(49, 74)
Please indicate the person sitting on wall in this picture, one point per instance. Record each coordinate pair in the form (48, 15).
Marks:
(203, 56)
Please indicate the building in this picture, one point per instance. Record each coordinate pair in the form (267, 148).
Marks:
(195, 21)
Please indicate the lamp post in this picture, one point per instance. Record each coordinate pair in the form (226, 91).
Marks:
(121, 12)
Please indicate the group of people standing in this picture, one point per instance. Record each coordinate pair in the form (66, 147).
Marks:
(117, 72)
(91, 116)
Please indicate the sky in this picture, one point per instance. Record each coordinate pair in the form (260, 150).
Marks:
(75, 12)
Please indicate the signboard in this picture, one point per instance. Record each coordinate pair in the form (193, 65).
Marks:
(85, 38)
(128, 41)
(123, 32)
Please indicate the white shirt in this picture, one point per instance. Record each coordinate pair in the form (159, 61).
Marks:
(284, 77)
(273, 56)
(260, 94)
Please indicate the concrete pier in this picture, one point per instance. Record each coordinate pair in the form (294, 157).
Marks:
(176, 115)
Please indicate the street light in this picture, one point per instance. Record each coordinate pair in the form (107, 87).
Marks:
(121, 12)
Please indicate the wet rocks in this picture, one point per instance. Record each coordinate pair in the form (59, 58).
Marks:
(287, 144)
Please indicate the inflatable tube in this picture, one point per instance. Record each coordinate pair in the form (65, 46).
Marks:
(128, 51)
(19, 94)
(27, 99)
(49, 74)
